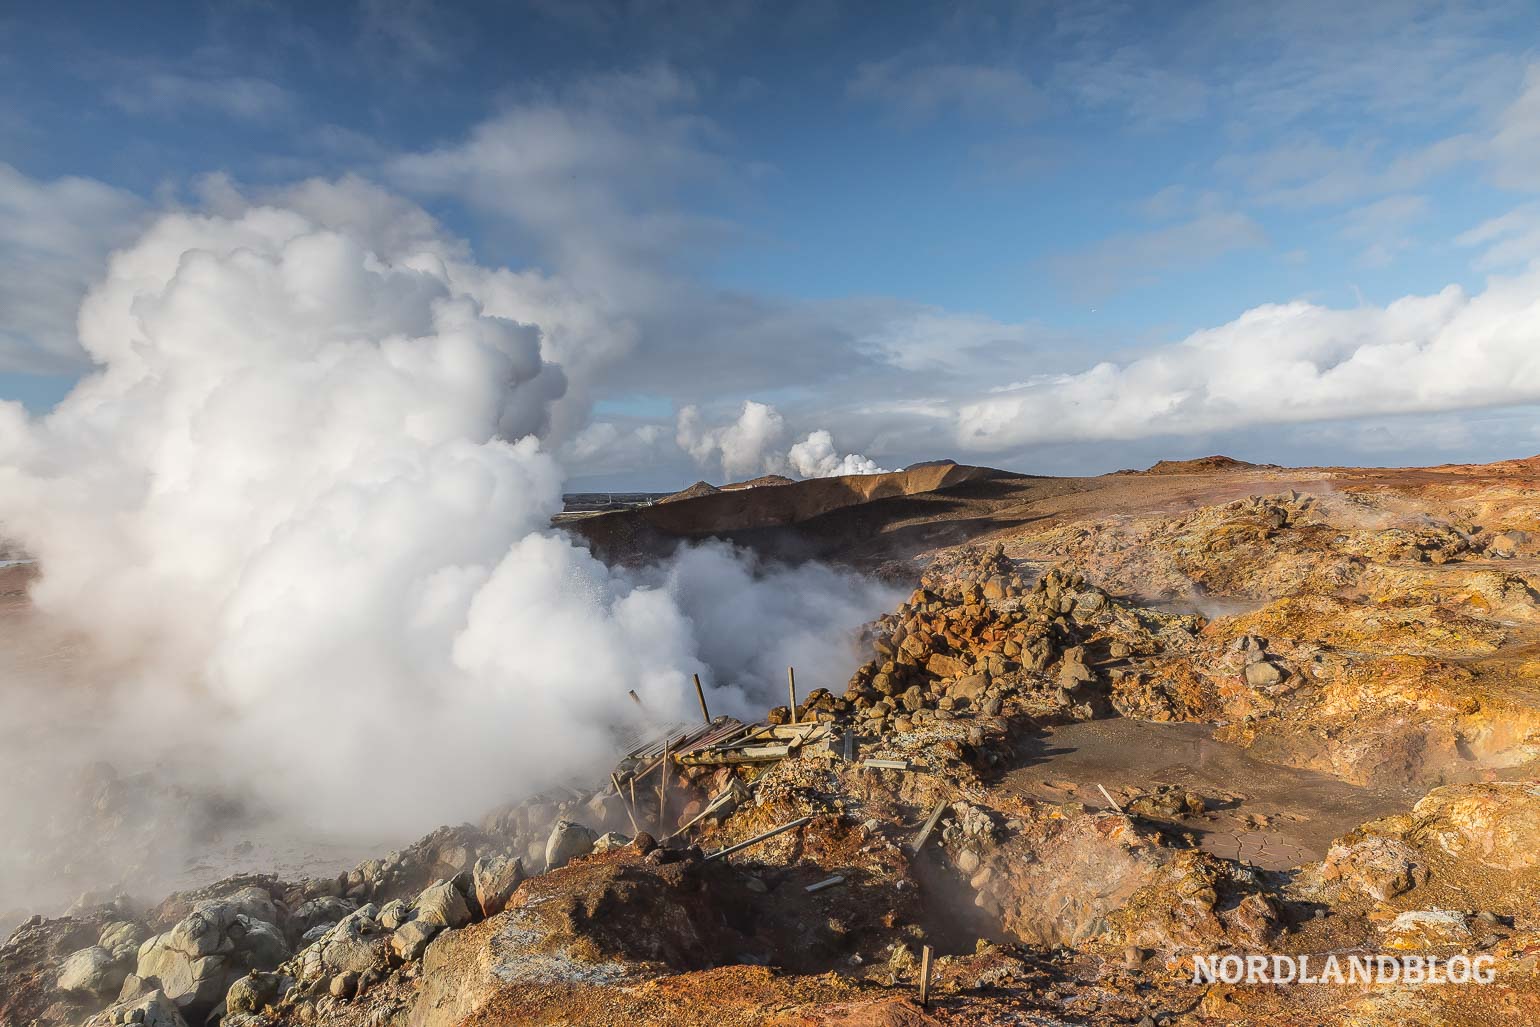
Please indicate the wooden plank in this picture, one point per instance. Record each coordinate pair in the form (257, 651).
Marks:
(791, 688)
(925, 977)
(723, 853)
(1109, 798)
(886, 764)
(700, 693)
(930, 825)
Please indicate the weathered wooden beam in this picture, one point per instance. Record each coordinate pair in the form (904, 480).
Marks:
(925, 977)
(1107, 795)
(791, 687)
(700, 693)
(886, 764)
(930, 825)
(722, 853)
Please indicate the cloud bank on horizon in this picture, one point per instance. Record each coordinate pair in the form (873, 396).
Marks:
(1317, 244)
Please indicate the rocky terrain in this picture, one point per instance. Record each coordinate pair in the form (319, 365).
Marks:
(1118, 725)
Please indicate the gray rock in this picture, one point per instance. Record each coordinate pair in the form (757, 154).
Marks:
(393, 914)
(1262, 674)
(251, 993)
(355, 943)
(198, 959)
(496, 878)
(411, 939)
(442, 904)
(153, 1009)
(567, 842)
(92, 971)
(325, 909)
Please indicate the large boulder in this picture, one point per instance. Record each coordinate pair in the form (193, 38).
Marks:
(495, 879)
(354, 944)
(440, 906)
(153, 1009)
(1379, 868)
(257, 990)
(219, 941)
(92, 971)
(567, 842)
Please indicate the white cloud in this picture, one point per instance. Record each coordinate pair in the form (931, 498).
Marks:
(919, 88)
(592, 175)
(1291, 362)
(166, 92)
(54, 240)
(1509, 240)
(1140, 258)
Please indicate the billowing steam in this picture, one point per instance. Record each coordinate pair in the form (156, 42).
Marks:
(751, 445)
(302, 513)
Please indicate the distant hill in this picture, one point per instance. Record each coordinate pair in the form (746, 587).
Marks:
(700, 488)
(760, 482)
(1204, 465)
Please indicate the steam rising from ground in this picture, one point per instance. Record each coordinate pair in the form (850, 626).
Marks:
(302, 511)
(751, 445)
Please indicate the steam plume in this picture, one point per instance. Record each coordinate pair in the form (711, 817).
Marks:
(303, 510)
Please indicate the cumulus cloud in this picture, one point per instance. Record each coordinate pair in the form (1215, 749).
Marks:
(54, 239)
(1289, 362)
(751, 445)
(328, 461)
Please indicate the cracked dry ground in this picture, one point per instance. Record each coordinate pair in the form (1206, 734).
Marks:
(1243, 710)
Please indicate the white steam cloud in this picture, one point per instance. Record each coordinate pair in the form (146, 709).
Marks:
(1292, 362)
(303, 510)
(751, 445)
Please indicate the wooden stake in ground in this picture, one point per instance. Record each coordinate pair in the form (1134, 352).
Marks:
(1106, 795)
(925, 977)
(791, 688)
(700, 694)
(629, 815)
(663, 789)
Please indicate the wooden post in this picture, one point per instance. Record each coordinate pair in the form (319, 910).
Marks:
(791, 688)
(663, 789)
(1108, 796)
(629, 815)
(635, 698)
(700, 694)
(925, 977)
(632, 783)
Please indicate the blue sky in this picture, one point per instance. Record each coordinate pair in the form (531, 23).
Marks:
(922, 229)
